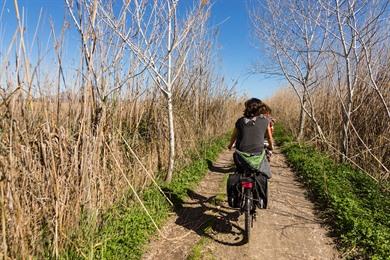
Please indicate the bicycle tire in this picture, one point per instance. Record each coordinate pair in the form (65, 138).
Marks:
(248, 216)
(266, 195)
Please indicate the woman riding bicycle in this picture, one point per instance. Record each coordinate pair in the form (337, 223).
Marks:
(250, 130)
(248, 137)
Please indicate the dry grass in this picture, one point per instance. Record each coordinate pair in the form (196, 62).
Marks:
(285, 108)
(61, 129)
(52, 173)
(370, 129)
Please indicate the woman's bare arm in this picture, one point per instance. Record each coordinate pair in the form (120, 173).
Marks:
(269, 137)
(233, 138)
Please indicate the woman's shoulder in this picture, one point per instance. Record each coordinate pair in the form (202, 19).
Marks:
(240, 120)
(264, 117)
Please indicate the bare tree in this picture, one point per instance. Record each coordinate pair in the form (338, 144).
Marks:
(334, 47)
(354, 35)
(94, 119)
(295, 41)
(154, 33)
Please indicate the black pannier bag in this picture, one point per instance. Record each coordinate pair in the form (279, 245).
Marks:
(263, 173)
(261, 191)
(232, 190)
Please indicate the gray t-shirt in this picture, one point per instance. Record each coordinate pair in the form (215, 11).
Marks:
(251, 131)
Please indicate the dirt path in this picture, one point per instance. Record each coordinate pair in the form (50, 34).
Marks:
(288, 229)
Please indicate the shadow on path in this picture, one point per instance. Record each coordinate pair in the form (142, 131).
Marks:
(208, 217)
(220, 169)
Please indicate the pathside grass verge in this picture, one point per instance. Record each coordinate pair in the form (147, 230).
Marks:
(357, 209)
(125, 229)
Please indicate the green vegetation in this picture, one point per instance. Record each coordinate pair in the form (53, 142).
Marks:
(222, 196)
(354, 204)
(198, 251)
(125, 228)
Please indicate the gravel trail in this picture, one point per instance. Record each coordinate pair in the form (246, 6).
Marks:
(288, 229)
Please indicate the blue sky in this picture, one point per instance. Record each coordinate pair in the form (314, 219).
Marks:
(236, 48)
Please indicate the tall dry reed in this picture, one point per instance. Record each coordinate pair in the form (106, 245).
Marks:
(370, 129)
(63, 123)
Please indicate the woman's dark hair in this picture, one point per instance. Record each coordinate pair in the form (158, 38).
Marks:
(265, 109)
(252, 107)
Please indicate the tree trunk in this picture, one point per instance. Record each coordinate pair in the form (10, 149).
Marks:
(345, 135)
(302, 119)
(171, 139)
(171, 159)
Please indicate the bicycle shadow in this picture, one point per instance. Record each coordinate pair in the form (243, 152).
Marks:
(220, 169)
(208, 217)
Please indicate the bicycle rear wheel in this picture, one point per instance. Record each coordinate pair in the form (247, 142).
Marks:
(248, 216)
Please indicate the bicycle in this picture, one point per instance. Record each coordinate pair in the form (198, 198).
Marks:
(248, 195)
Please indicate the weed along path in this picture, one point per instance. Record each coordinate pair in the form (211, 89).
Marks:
(206, 228)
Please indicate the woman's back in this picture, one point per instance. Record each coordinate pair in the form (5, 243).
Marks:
(250, 134)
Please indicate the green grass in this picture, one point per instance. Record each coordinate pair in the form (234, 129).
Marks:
(125, 229)
(357, 209)
(222, 196)
(198, 251)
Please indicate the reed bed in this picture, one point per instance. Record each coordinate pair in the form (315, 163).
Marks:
(54, 170)
(67, 111)
(369, 142)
